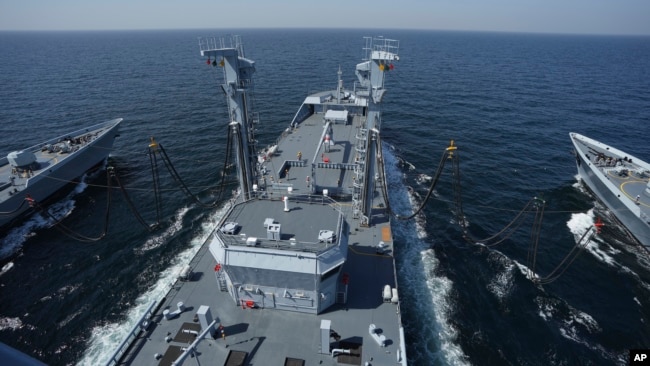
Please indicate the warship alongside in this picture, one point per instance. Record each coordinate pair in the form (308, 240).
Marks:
(35, 173)
(619, 180)
(301, 268)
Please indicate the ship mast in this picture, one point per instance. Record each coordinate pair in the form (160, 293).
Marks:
(380, 54)
(238, 86)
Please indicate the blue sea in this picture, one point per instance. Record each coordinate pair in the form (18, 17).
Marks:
(508, 101)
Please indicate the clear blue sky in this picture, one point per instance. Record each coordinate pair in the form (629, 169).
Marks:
(546, 16)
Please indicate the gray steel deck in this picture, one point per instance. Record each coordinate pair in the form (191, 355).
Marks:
(280, 337)
(270, 336)
(334, 167)
(53, 169)
(620, 180)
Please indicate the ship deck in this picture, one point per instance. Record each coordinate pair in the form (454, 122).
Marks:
(630, 183)
(263, 336)
(291, 159)
(271, 337)
(630, 176)
(625, 176)
(12, 182)
(46, 171)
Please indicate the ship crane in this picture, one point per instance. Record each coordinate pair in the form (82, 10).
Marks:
(238, 87)
(371, 74)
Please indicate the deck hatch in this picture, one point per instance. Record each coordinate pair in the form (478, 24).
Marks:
(185, 337)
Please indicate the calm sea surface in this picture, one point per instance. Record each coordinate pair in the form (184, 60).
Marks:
(508, 101)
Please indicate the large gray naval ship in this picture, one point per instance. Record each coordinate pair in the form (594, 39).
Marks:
(619, 180)
(32, 175)
(301, 268)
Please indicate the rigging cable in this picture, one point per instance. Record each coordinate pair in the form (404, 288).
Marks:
(153, 146)
(111, 173)
(536, 204)
(568, 259)
(184, 187)
(457, 191)
(129, 203)
(69, 232)
(535, 233)
(451, 154)
(625, 236)
(504, 233)
(384, 189)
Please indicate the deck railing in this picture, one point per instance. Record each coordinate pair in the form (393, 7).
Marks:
(294, 245)
(141, 324)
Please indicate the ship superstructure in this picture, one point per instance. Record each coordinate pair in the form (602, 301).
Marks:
(300, 270)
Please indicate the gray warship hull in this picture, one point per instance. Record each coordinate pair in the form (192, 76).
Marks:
(50, 166)
(619, 180)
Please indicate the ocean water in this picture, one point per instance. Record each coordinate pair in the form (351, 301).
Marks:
(508, 101)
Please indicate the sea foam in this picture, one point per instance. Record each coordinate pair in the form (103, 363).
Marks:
(107, 337)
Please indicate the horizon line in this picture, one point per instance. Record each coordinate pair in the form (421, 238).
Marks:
(322, 28)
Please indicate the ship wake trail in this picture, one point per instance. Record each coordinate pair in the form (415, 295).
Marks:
(14, 240)
(107, 337)
(574, 325)
(160, 239)
(578, 225)
(571, 323)
(612, 232)
(606, 253)
(428, 292)
(502, 283)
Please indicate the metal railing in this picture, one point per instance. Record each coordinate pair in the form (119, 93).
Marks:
(140, 325)
(293, 245)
